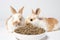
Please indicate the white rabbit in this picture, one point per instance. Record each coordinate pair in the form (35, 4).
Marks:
(46, 23)
(15, 20)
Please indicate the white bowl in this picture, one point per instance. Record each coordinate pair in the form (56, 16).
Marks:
(29, 37)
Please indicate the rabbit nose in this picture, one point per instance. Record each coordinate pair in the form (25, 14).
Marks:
(40, 18)
(16, 22)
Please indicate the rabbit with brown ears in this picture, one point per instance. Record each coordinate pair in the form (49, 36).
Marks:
(47, 23)
(15, 20)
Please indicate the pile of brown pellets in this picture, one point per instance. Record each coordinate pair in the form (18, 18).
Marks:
(29, 29)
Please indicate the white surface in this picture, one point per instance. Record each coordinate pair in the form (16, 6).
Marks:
(49, 8)
(54, 35)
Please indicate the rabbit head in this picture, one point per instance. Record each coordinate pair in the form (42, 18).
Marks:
(31, 18)
(34, 18)
(16, 19)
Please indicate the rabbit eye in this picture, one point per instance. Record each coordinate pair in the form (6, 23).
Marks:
(20, 19)
(31, 19)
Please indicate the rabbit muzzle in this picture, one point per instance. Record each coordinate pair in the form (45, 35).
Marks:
(16, 23)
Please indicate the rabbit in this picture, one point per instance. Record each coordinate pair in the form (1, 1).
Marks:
(46, 23)
(15, 20)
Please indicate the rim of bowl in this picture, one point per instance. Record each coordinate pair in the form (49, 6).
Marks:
(29, 35)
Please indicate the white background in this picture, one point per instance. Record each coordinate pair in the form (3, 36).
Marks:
(49, 8)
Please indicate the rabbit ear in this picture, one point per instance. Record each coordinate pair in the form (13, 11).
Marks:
(13, 10)
(37, 11)
(21, 10)
(33, 11)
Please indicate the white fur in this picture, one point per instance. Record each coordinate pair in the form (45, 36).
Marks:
(12, 27)
(40, 23)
